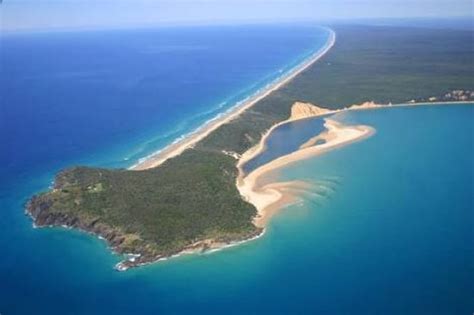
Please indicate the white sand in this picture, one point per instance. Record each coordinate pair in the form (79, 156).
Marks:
(257, 188)
(188, 142)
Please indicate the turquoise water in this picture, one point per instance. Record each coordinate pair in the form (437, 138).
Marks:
(393, 234)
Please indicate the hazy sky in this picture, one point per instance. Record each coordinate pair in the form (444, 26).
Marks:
(46, 14)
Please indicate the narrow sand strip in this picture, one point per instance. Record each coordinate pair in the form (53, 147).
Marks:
(270, 197)
(257, 188)
(189, 141)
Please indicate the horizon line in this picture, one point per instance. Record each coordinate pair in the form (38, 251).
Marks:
(177, 24)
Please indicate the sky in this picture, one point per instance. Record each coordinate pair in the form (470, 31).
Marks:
(24, 15)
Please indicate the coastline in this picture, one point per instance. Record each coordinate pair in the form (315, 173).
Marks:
(191, 139)
(275, 195)
(257, 188)
(131, 259)
(308, 111)
(202, 248)
(268, 196)
(138, 258)
(325, 199)
(207, 246)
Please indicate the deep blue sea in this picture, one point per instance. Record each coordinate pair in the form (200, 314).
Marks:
(390, 232)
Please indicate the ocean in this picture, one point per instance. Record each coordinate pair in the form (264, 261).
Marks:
(110, 98)
(390, 232)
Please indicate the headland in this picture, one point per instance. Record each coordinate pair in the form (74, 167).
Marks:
(191, 202)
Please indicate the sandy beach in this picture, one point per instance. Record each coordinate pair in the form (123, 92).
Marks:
(259, 187)
(189, 141)
(267, 196)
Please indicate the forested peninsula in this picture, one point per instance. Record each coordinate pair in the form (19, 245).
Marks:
(191, 202)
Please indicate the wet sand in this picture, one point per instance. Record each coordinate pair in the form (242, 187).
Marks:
(267, 196)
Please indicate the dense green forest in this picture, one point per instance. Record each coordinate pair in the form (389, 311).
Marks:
(193, 197)
(367, 63)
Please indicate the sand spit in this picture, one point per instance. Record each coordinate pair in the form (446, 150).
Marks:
(267, 195)
(258, 187)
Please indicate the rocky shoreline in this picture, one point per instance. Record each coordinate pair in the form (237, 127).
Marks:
(38, 209)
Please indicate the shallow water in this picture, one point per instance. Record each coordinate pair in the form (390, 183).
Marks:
(395, 233)
(278, 144)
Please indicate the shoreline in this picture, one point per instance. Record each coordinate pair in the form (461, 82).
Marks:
(202, 247)
(276, 194)
(140, 258)
(316, 111)
(269, 197)
(280, 194)
(189, 140)
(206, 246)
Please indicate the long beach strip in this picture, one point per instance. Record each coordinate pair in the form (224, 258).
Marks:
(187, 142)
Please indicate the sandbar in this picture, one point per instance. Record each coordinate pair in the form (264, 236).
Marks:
(259, 188)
